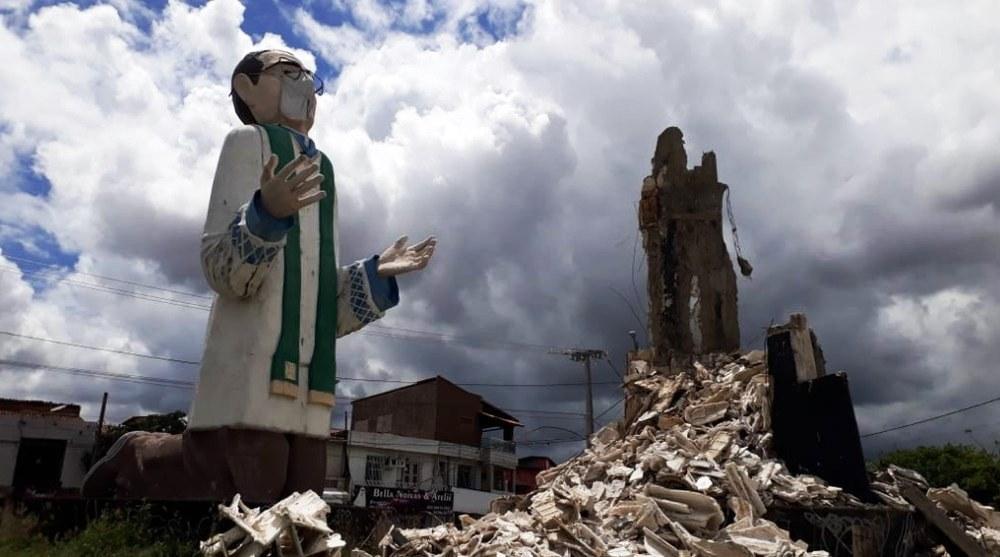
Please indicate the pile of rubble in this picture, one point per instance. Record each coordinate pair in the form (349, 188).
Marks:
(978, 521)
(689, 472)
(295, 525)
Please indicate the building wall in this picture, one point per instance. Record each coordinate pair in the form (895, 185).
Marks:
(335, 467)
(473, 501)
(430, 410)
(526, 481)
(78, 434)
(457, 416)
(408, 412)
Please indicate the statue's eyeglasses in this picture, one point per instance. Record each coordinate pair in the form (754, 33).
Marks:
(295, 74)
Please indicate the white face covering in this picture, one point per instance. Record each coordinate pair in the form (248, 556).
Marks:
(296, 95)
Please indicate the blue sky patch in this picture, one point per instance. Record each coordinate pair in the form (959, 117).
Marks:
(29, 181)
(499, 23)
(37, 253)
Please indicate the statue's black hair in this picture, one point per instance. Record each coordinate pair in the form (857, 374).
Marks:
(250, 65)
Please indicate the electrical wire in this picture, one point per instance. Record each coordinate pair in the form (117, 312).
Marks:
(380, 331)
(614, 369)
(127, 377)
(33, 365)
(56, 268)
(111, 350)
(610, 408)
(932, 418)
(110, 289)
(400, 381)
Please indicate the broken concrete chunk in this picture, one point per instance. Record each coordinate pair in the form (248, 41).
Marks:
(543, 506)
(955, 499)
(742, 486)
(657, 546)
(701, 414)
(295, 525)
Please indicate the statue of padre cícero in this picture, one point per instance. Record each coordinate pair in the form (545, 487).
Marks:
(260, 418)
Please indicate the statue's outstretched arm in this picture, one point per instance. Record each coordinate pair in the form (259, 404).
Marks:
(363, 295)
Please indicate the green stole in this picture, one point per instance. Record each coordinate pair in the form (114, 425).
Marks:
(285, 361)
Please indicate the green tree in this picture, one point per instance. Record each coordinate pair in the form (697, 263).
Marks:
(973, 469)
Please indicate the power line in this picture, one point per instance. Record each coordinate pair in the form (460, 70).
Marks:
(361, 379)
(549, 442)
(110, 289)
(431, 443)
(53, 271)
(614, 369)
(932, 418)
(127, 377)
(448, 337)
(608, 409)
(384, 332)
(138, 377)
(112, 350)
(173, 383)
(432, 337)
(518, 410)
(400, 381)
(56, 267)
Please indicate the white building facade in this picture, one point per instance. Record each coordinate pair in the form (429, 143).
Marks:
(43, 447)
(475, 475)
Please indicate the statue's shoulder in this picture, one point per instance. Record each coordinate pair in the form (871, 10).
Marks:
(243, 133)
(246, 138)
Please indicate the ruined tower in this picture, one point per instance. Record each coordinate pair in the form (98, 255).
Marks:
(691, 282)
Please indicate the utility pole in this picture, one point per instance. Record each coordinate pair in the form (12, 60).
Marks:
(100, 419)
(585, 357)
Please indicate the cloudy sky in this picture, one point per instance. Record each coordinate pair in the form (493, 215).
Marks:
(859, 139)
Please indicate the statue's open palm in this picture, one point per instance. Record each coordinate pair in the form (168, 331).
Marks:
(399, 258)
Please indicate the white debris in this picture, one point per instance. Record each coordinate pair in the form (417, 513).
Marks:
(295, 526)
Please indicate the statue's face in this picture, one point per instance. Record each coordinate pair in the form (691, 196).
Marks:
(284, 78)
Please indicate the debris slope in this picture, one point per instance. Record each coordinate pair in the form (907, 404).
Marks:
(691, 473)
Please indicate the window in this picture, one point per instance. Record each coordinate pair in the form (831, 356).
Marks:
(373, 468)
(464, 476)
(409, 473)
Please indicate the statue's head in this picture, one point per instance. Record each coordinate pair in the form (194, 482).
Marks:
(274, 87)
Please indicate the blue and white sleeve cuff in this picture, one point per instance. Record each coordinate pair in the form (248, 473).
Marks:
(264, 226)
(385, 290)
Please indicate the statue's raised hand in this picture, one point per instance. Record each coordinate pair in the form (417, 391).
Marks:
(400, 258)
(292, 188)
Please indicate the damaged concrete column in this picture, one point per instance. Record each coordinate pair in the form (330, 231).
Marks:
(812, 416)
(691, 282)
